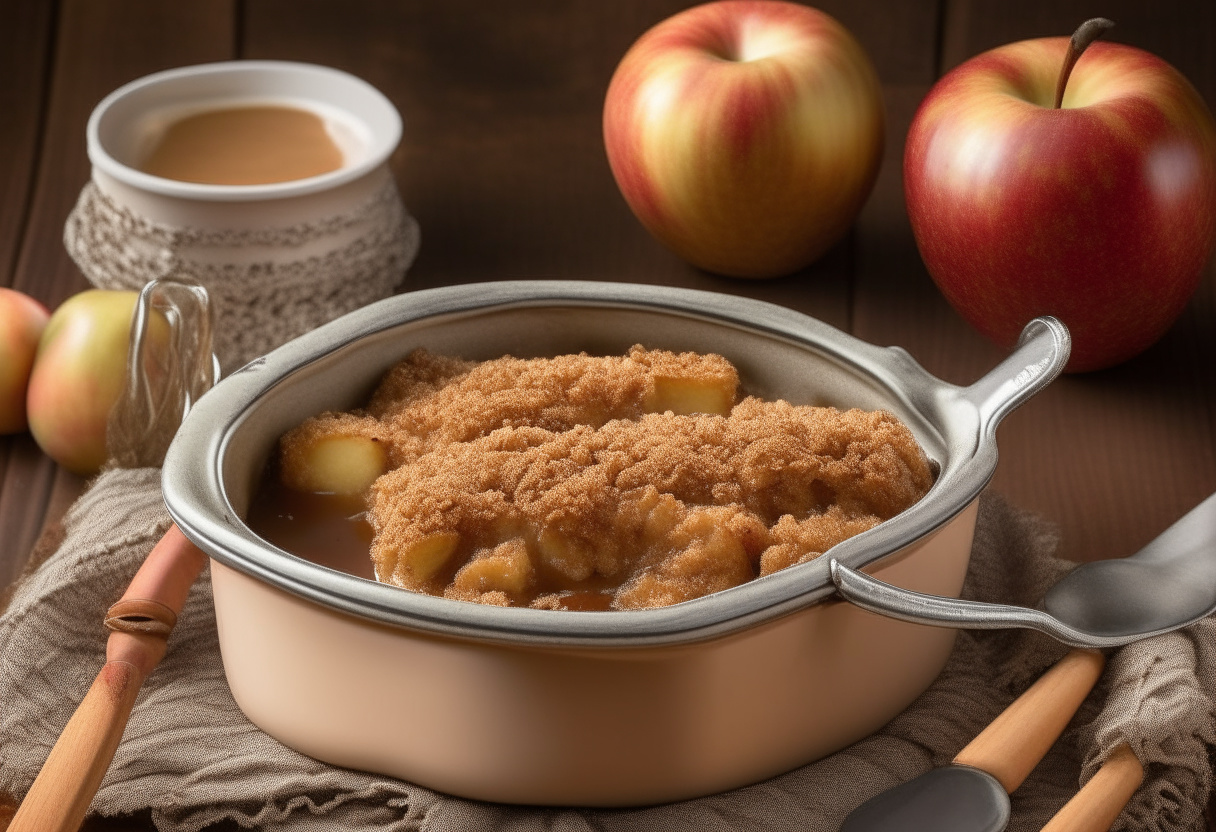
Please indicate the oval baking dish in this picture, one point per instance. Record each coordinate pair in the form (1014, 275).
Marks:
(590, 708)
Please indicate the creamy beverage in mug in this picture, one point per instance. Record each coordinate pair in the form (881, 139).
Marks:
(244, 145)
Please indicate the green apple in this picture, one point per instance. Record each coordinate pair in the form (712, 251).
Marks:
(78, 375)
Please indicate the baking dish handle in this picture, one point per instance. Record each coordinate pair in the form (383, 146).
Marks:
(874, 595)
(1041, 353)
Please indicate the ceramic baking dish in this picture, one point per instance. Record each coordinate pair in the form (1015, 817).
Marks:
(588, 708)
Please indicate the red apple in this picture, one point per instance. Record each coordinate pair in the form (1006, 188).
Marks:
(78, 375)
(22, 320)
(1101, 212)
(745, 134)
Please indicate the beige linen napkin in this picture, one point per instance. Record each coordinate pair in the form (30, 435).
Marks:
(190, 756)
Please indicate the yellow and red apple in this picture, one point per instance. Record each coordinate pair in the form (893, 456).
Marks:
(22, 320)
(745, 134)
(79, 372)
(1101, 212)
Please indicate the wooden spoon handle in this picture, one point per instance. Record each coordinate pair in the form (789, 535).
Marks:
(1095, 807)
(1013, 744)
(140, 624)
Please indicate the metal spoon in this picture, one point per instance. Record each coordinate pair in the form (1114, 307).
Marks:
(1168, 584)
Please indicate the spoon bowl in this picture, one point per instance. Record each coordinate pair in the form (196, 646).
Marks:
(1167, 585)
(948, 799)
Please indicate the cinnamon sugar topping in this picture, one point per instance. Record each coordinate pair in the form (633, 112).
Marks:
(581, 482)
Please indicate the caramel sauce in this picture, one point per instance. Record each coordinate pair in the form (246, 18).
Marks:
(332, 530)
(328, 529)
(245, 146)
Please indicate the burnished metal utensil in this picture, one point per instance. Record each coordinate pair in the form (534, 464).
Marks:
(1168, 584)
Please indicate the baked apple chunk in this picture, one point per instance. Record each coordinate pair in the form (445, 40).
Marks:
(335, 464)
(686, 396)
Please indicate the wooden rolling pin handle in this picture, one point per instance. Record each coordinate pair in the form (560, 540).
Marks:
(61, 794)
(1013, 744)
(1098, 804)
(140, 625)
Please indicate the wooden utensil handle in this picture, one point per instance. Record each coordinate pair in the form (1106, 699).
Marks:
(60, 796)
(1095, 807)
(1013, 744)
(140, 624)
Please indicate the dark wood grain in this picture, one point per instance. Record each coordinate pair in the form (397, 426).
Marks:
(26, 37)
(98, 47)
(503, 161)
(26, 45)
(29, 478)
(1179, 31)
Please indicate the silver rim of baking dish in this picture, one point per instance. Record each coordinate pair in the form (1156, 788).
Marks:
(965, 417)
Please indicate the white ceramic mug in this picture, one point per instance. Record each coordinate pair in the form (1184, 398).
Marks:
(278, 258)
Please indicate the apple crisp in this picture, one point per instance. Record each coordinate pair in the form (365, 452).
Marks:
(583, 482)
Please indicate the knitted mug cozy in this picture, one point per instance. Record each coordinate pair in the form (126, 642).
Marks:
(268, 284)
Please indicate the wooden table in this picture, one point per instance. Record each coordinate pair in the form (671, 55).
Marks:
(503, 165)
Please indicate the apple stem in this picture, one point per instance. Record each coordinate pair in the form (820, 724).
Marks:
(1086, 33)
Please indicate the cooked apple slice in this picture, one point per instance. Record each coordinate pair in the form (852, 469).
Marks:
(335, 465)
(684, 396)
(505, 568)
(565, 554)
(425, 557)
